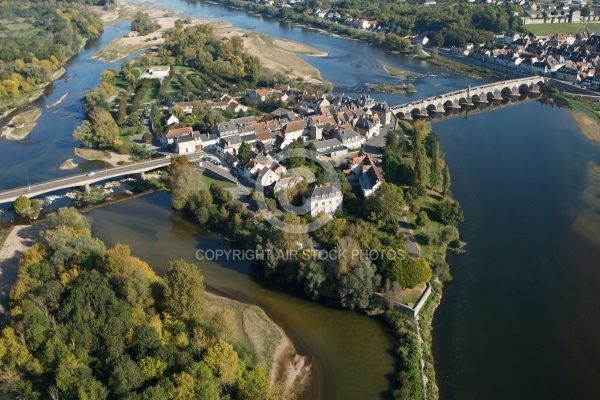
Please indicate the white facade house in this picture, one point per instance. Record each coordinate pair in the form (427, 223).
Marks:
(186, 106)
(189, 143)
(172, 120)
(326, 199)
(258, 168)
(169, 137)
(291, 132)
(350, 138)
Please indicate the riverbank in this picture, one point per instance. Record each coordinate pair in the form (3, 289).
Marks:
(278, 55)
(259, 334)
(590, 127)
(17, 240)
(21, 126)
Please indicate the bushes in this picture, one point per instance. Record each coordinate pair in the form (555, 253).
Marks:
(409, 379)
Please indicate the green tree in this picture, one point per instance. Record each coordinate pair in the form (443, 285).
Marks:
(184, 291)
(449, 234)
(95, 98)
(243, 151)
(448, 212)
(224, 362)
(152, 367)
(421, 169)
(27, 208)
(125, 376)
(184, 387)
(100, 131)
(436, 168)
(356, 288)
(422, 219)
(185, 185)
(446, 181)
(252, 69)
(386, 206)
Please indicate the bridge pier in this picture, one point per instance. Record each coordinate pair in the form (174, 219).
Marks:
(86, 188)
(142, 176)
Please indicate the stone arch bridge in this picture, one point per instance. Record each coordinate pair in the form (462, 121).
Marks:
(496, 91)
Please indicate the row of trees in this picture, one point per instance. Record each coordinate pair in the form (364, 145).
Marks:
(96, 323)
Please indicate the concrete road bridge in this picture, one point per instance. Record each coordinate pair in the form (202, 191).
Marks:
(83, 180)
(484, 94)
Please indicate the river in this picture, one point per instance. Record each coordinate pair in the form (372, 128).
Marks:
(518, 321)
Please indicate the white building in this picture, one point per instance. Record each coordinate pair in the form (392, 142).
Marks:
(326, 199)
(156, 72)
(350, 138)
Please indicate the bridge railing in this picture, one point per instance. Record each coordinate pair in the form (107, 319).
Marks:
(83, 174)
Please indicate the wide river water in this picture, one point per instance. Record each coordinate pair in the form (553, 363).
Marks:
(520, 318)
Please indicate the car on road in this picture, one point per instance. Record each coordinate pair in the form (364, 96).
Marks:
(91, 173)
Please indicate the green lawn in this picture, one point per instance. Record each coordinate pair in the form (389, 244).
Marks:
(551, 29)
(182, 69)
(151, 94)
(218, 182)
(174, 85)
(124, 136)
(430, 252)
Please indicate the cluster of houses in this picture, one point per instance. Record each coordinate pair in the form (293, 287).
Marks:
(334, 126)
(359, 23)
(571, 58)
(331, 125)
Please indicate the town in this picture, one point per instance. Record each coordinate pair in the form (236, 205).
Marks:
(335, 127)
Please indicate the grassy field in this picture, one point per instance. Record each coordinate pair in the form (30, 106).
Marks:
(551, 29)
(217, 182)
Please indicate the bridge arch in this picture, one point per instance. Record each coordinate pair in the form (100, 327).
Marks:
(419, 112)
(402, 115)
(479, 98)
(439, 107)
(510, 91)
(465, 101)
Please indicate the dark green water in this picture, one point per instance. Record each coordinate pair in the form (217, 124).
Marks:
(354, 353)
(520, 320)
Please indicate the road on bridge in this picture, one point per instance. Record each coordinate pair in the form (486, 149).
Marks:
(36, 189)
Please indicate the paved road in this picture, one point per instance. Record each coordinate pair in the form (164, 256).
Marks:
(411, 244)
(36, 189)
